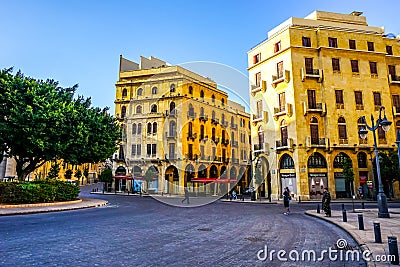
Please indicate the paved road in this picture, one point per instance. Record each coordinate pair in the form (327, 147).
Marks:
(139, 231)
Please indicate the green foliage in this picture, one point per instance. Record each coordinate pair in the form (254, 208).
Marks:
(40, 191)
(78, 174)
(348, 173)
(54, 171)
(86, 172)
(106, 176)
(389, 165)
(68, 174)
(150, 174)
(41, 121)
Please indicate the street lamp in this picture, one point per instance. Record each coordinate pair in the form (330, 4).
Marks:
(398, 144)
(385, 124)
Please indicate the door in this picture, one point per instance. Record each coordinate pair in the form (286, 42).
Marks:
(312, 102)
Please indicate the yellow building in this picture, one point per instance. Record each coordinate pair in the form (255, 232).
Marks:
(182, 126)
(313, 79)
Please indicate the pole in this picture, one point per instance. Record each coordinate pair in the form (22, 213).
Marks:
(382, 202)
(398, 144)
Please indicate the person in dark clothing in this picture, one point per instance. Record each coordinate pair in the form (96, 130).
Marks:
(326, 202)
(186, 196)
(286, 200)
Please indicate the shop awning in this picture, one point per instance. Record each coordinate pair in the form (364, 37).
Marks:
(212, 180)
(123, 177)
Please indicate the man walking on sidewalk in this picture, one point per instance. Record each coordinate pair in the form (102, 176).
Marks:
(326, 202)
(186, 196)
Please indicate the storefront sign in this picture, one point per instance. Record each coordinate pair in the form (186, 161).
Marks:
(317, 175)
(369, 184)
(288, 175)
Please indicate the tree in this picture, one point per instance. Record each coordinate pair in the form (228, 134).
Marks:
(86, 173)
(150, 175)
(348, 173)
(41, 121)
(106, 177)
(78, 175)
(68, 174)
(390, 172)
(54, 171)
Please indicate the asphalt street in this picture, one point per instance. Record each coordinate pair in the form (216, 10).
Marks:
(140, 231)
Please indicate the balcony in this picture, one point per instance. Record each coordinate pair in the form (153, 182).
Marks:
(234, 143)
(214, 121)
(215, 140)
(394, 79)
(317, 142)
(262, 87)
(191, 115)
(396, 111)
(225, 142)
(359, 107)
(171, 156)
(276, 79)
(343, 141)
(281, 111)
(234, 126)
(203, 117)
(311, 74)
(172, 113)
(257, 118)
(314, 108)
(225, 160)
(235, 161)
(284, 144)
(170, 135)
(262, 148)
(191, 136)
(225, 124)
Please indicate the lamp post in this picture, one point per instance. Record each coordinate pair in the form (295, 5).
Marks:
(398, 144)
(385, 124)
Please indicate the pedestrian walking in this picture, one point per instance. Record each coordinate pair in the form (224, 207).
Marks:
(186, 196)
(326, 202)
(286, 200)
(233, 196)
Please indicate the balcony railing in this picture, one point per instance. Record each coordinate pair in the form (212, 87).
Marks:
(170, 135)
(172, 113)
(285, 76)
(191, 136)
(394, 79)
(171, 156)
(191, 115)
(225, 123)
(234, 143)
(311, 73)
(258, 147)
(282, 143)
(234, 126)
(314, 107)
(396, 111)
(235, 161)
(214, 121)
(203, 117)
(215, 140)
(257, 88)
(318, 141)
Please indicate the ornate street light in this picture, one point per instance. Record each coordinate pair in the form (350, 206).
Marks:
(385, 124)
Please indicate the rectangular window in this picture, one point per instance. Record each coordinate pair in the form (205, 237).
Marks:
(153, 149)
(282, 101)
(202, 155)
(259, 108)
(258, 79)
(389, 50)
(335, 64)
(342, 131)
(279, 69)
(256, 58)
(358, 97)
(377, 99)
(214, 151)
(381, 134)
(277, 47)
(396, 102)
(133, 150)
(339, 96)
(148, 149)
(332, 42)
(306, 41)
(373, 68)
(171, 151)
(190, 151)
(138, 149)
(370, 46)
(312, 101)
(354, 66)
(309, 65)
(392, 70)
(352, 44)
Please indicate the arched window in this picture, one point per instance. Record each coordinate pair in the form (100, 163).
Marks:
(213, 98)
(154, 90)
(201, 94)
(339, 160)
(123, 112)
(223, 136)
(316, 160)
(138, 109)
(139, 128)
(172, 88)
(134, 128)
(342, 128)
(140, 91)
(154, 127)
(201, 112)
(314, 131)
(172, 108)
(287, 162)
(172, 128)
(362, 160)
(124, 93)
(149, 128)
(153, 108)
(190, 129)
(284, 133)
(223, 102)
(190, 90)
(223, 118)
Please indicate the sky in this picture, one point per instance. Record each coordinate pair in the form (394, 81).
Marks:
(79, 42)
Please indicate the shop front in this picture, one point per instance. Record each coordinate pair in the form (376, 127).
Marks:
(317, 183)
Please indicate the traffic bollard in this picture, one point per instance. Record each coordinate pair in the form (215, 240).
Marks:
(393, 250)
(344, 215)
(360, 222)
(362, 205)
(318, 210)
(299, 200)
(342, 206)
(377, 232)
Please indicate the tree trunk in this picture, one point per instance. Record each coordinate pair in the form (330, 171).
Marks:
(25, 166)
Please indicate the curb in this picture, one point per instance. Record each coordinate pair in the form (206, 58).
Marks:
(248, 202)
(14, 206)
(360, 243)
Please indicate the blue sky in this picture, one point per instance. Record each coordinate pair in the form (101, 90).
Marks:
(79, 42)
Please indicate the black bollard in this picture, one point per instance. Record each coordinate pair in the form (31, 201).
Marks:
(377, 232)
(342, 206)
(344, 215)
(360, 222)
(318, 210)
(299, 200)
(393, 250)
(362, 205)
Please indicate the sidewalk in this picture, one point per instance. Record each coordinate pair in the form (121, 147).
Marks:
(6, 210)
(366, 238)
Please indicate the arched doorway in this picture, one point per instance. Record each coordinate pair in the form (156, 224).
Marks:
(151, 178)
(213, 174)
(287, 173)
(189, 174)
(171, 185)
(318, 178)
(137, 179)
(120, 184)
(260, 174)
(344, 188)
